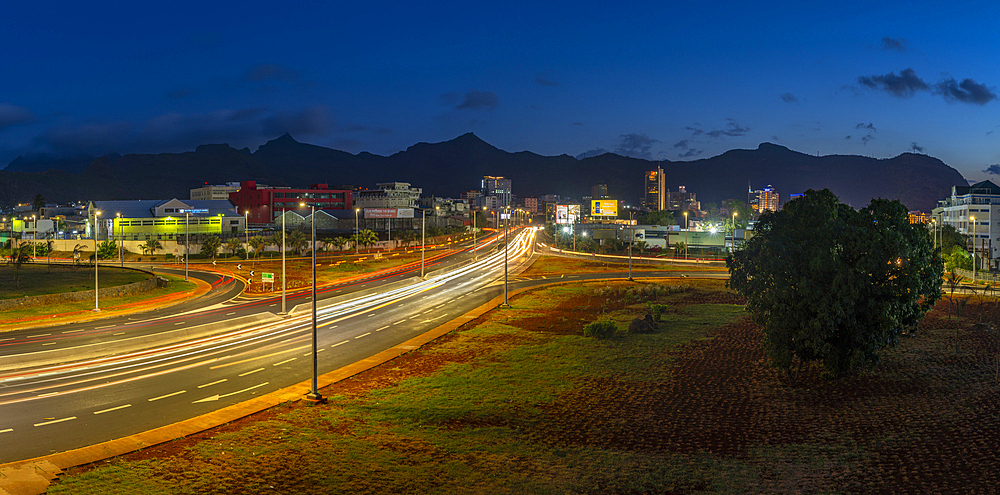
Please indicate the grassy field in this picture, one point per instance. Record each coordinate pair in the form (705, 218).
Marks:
(40, 278)
(176, 289)
(520, 402)
(558, 265)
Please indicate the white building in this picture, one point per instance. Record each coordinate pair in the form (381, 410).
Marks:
(388, 195)
(980, 201)
(218, 192)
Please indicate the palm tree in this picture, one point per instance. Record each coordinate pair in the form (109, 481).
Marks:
(38, 202)
(233, 245)
(257, 243)
(49, 245)
(642, 245)
(339, 242)
(19, 256)
(210, 246)
(77, 253)
(367, 238)
(152, 246)
(297, 241)
(274, 239)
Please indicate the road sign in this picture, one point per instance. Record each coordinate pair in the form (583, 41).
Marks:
(266, 277)
(251, 273)
(240, 267)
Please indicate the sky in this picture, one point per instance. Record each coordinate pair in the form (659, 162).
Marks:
(657, 80)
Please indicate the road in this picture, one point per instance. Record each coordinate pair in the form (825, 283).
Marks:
(54, 408)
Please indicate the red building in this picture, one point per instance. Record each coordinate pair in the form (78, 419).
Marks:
(266, 203)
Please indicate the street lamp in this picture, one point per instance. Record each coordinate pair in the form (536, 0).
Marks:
(283, 311)
(96, 214)
(423, 239)
(506, 247)
(973, 220)
(121, 259)
(631, 237)
(246, 232)
(187, 242)
(475, 243)
(314, 394)
(686, 235)
(357, 232)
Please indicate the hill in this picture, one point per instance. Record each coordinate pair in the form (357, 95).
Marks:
(451, 167)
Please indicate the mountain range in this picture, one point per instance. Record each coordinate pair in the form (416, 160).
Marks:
(452, 167)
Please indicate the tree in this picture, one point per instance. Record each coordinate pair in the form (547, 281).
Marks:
(107, 249)
(958, 258)
(150, 247)
(49, 246)
(641, 245)
(831, 284)
(338, 242)
(367, 238)
(297, 241)
(38, 202)
(77, 253)
(950, 238)
(233, 244)
(210, 246)
(663, 217)
(679, 247)
(19, 256)
(258, 244)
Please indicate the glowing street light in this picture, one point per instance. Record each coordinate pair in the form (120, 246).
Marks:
(973, 220)
(314, 394)
(357, 232)
(96, 307)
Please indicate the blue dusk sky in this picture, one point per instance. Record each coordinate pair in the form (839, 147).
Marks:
(669, 80)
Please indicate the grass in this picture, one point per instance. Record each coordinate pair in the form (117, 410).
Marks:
(558, 265)
(16, 318)
(39, 278)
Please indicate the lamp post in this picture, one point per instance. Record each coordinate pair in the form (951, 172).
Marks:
(246, 232)
(973, 220)
(506, 247)
(733, 244)
(631, 237)
(686, 235)
(121, 259)
(187, 242)
(283, 311)
(423, 239)
(357, 231)
(314, 394)
(96, 307)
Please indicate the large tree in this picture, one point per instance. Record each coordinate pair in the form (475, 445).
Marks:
(831, 284)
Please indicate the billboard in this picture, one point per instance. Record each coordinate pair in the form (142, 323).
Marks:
(567, 213)
(604, 207)
(388, 212)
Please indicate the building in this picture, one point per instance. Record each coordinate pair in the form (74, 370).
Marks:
(654, 199)
(264, 204)
(499, 187)
(918, 217)
(389, 195)
(763, 200)
(215, 192)
(170, 219)
(971, 210)
(680, 200)
(599, 191)
(529, 203)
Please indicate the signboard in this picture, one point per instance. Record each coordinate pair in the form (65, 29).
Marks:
(267, 277)
(604, 207)
(567, 213)
(388, 212)
(199, 210)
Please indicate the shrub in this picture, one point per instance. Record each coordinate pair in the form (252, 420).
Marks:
(657, 310)
(601, 329)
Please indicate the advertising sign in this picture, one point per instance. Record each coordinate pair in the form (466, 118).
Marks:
(388, 212)
(604, 207)
(567, 213)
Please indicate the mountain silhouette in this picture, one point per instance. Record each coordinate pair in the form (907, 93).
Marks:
(452, 167)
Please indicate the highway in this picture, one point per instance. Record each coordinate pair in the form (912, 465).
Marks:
(51, 408)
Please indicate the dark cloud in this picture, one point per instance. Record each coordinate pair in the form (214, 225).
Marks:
(789, 98)
(591, 153)
(11, 115)
(967, 91)
(903, 85)
(93, 138)
(694, 130)
(732, 129)
(635, 146)
(681, 144)
(866, 138)
(992, 169)
(916, 148)
(775, 138)
(544, 81)
(312, 121)
(271, 72)
(363, 128)
(690, 153)
(847, 137)
(868, 126)
(894, 44)
(473, 100)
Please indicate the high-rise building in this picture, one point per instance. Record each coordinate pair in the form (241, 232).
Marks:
(499, 187)
(971, 210)
(763, 200)
(654, 198)
(599, 191)
(680, 200)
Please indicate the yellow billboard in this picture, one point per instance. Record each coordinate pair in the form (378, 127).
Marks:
(604, 207)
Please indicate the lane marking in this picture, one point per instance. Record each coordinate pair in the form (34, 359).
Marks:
(102, 328)
(363, 335)
(230, 314)
(440, 306)
(383, 328)
(168, 395)
(9, 338)
(56, 421)
(213, 383)
(119, 333)
(428, 311)
(49, 343)
(340, 343)
(181, 323)
(42, 335)
(8, 430)
(73, 331)
(285, 361)
(400, 321)
(113, 409)
(294, 349)
(251, 372)
(217, 396)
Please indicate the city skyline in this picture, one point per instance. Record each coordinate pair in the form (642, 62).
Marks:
(644, 80)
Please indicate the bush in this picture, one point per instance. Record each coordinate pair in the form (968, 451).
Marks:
(601, 329)
(657, 310)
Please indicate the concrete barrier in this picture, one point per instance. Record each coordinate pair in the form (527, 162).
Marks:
(132, 344)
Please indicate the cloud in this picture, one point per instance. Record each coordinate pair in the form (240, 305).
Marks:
(591, 153)
(903, 86)
(11, 115)
(732, 129)
(866, 138)
(311, 121)
(541, 80)
(94, 138)
(893, 44)
(473, 100)
(271, 72)
(694, 130)
(916, 148)
(847, 138)
(775, 138)
(690, 153)
(992, 169)
(789, 98)
(868, 126)
(681, 144)
(967, 91)
(635, 146)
